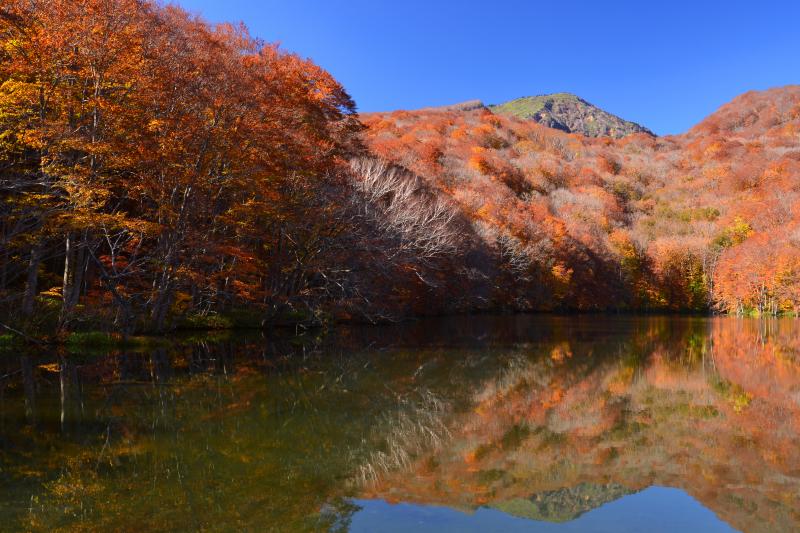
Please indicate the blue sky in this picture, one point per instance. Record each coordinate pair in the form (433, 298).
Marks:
(665, 64)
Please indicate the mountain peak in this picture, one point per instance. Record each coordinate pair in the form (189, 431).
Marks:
(570, 113)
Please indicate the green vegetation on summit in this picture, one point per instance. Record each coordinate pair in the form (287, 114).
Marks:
(567, 112)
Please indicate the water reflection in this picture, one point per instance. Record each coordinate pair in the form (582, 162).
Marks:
(676, 511)
(489, 423)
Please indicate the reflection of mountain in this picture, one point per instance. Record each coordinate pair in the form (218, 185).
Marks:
(565, 504)
(708, 407)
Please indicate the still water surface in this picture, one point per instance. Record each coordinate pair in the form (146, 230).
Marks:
(504, 424)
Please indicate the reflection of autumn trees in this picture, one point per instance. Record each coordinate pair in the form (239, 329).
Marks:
(198, 436)
(265, 434)
(708, 407)
(505, 412)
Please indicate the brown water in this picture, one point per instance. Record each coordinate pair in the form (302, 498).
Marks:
(465, 424)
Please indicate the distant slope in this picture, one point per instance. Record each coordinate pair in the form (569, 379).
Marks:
(567, 112)
(752, 114)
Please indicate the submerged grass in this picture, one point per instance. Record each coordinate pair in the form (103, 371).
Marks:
(94, 339)
(91, 342)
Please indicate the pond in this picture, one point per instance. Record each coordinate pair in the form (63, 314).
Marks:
(513, 423)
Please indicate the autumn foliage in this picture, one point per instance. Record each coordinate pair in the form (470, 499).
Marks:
(155, 168)
(159, 163)
(700, 221)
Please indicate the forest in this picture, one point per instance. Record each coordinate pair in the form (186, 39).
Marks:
(161, 172)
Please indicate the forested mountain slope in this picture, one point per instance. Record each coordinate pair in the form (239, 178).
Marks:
(708, 219)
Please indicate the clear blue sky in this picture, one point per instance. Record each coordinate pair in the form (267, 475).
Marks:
(666, 64)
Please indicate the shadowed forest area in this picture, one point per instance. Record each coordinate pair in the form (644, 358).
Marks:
(159, 172)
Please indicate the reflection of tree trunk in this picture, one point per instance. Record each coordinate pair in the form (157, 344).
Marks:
(161, 366)
(4, 270)
(30, 389)
(62, 380)
(70, 391)
(77, 391)
(33, 277)
(161, 372)
(228, 356)
(123, 366)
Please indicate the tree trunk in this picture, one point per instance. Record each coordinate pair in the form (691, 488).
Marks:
(162, 304)
(69, 265)
(74, 267)
(29, 298)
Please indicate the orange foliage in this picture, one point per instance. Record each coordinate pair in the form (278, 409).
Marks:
(639, 222)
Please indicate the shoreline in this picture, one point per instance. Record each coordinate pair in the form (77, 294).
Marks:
(11, 337)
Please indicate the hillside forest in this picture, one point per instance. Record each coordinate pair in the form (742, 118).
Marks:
(157, 171)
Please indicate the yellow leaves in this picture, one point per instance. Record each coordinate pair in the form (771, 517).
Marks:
(738, 231)
(17, 111)
(622, 242)
(458, 133)
(16, 93)
(561, 278)
(741, 401)
(155, 125)
(482, 130)
(478, 160)
(11, 45)
(82, 218)
(34, 139)
(485, 212)
(561, 273)
(83, 195)
(53, 292)
(561, 352)
(712, 172)
(33, 200)
(713, 149)
(51, 367)
(479, 164)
